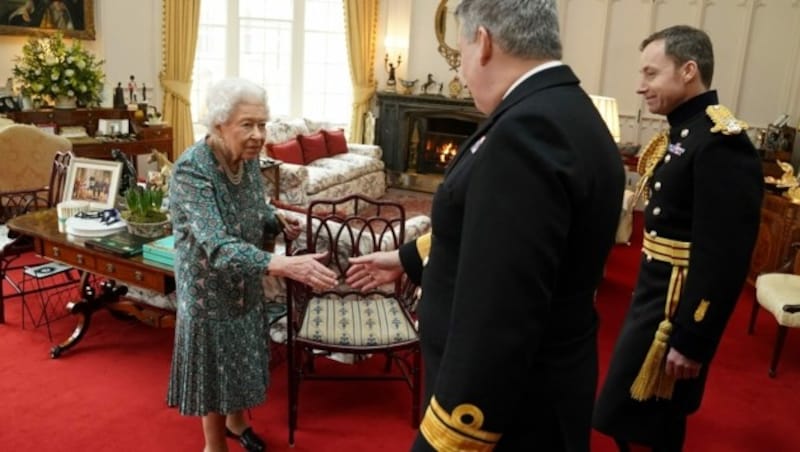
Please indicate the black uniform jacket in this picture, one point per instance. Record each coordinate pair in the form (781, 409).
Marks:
(522, 225)
(706, 190)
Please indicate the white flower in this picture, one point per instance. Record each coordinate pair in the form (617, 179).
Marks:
(71, 93)
(82, 88)
(81, 64)
(54, 76)
(69, 72)
(55, 89)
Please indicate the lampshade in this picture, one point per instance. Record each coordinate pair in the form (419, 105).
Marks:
(608, 110)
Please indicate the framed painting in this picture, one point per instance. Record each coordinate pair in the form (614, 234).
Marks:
(73, 18)
(93, 180)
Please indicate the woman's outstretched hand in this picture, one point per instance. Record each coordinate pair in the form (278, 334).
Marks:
(372, 270)
(305, 268)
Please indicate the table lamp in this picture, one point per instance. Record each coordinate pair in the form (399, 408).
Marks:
(608, 110)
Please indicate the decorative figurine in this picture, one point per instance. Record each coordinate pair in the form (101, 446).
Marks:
(429, 85)
(391, 81)
(132, 90)
(127, 178)
(119, 97)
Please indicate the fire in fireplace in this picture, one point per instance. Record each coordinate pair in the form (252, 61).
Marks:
(435, 140)
(438, 150)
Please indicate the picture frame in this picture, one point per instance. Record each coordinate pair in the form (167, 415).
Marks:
(49, 127)
(73, 18)
(93, 180)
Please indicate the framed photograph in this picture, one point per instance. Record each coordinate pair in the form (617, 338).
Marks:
(93, 180)
(73, 18)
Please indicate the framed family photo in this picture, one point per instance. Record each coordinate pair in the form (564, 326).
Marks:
(73, 18)
(93, 180)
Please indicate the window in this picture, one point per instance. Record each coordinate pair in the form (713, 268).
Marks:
(296, 49)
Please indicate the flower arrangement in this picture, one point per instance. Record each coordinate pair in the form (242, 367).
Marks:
(49, 69)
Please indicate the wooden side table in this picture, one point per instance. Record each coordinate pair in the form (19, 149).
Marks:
(270, 169)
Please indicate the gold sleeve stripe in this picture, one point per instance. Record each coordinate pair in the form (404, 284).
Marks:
(459, 431)
(424, 247)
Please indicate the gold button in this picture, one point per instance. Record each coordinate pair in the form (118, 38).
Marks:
(657, 211)
(667, 158)
(684, 133)
(657, 186)
(653, 233)
(648, 257)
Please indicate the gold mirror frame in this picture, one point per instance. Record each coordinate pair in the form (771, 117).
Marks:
(452, 55)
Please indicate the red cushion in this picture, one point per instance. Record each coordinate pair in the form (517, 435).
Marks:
(313, 146)
(336, 142)
(289, 151)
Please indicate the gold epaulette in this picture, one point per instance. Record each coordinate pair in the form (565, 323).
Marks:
(724, 121)
(456, 431)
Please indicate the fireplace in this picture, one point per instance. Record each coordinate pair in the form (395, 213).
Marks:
(419, 135)
(435, 138)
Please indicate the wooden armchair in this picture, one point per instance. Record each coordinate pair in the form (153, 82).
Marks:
(346, 321)
(32, 177)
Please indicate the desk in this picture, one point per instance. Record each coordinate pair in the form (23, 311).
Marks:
(146, 139)
(42, 226)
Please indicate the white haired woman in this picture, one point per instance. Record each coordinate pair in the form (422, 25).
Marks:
(220, 217)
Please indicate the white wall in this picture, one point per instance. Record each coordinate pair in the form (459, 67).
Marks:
(128, 37)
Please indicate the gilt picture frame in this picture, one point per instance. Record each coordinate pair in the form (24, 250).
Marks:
(93, 180)
(73, 18)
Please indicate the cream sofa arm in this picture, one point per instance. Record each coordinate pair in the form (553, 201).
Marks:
(368, 150)
(293, 184)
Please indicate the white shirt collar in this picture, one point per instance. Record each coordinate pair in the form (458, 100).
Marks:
(536, 69)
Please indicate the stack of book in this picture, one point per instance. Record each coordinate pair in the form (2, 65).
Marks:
(161, 250)
(120, 243)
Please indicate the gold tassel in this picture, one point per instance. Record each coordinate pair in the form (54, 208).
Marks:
(647, 383)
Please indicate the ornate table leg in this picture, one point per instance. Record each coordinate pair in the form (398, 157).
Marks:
(91, 302)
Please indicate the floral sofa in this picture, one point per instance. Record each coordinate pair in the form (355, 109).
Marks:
(356, 169)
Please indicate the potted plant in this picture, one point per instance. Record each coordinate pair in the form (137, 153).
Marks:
(143, 212)
(51, 71)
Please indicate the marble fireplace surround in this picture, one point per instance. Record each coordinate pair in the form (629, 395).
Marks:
(402, 124)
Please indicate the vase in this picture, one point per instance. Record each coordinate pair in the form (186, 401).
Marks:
(150, 230)
(65, 103)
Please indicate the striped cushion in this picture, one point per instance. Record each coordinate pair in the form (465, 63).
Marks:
(374, 321)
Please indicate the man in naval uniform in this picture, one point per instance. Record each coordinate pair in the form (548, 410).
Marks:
(522, 225)
(704, 183)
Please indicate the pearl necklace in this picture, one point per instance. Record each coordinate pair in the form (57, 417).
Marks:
(234, 176)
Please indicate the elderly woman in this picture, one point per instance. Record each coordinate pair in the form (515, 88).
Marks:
(220, 218)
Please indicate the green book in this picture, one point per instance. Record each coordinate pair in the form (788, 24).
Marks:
(120, 243)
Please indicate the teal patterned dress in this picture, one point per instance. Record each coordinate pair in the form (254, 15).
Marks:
(221, 354)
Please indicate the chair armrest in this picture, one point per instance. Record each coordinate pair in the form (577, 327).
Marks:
(294, 184)
(13, 203)
(367, 150)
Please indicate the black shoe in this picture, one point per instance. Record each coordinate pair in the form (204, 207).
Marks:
(248, 439)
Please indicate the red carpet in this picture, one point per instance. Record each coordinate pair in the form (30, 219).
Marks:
(108, 393)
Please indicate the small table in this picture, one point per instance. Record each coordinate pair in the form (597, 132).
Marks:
(270, 169)
(42, 226)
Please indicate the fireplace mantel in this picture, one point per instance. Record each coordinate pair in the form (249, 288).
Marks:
(395, 112)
